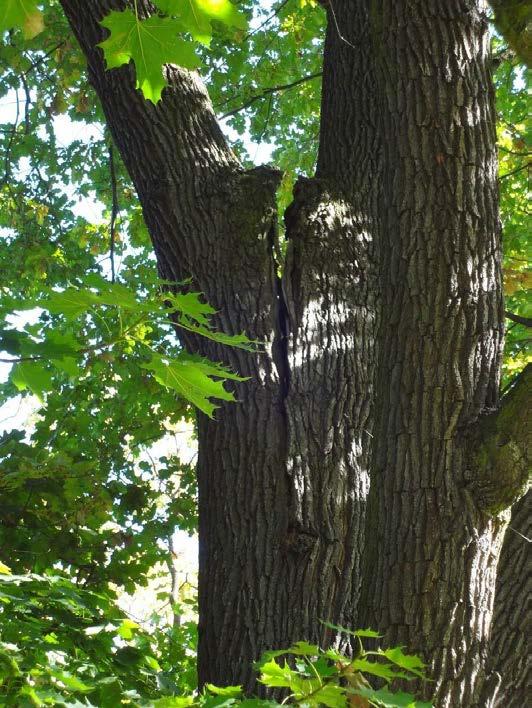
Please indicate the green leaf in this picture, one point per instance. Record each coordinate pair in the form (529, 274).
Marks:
(276, 676)
(69, 365)
(406, 661)
(126, 628)
(71, 302)
(304, 649)
(353, 633)
(150, 43)
(31, 376)
(383, 697)
(231, 691)
(58, 345)
(197, 16)
(385, 671)
(329, 694)
(193, 378)
(190, 304)
(21, 13)
(240, 341)
(118, 295)
(71, 682)
(12, 341)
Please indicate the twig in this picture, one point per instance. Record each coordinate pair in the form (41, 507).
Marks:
(528, 540)
(270, 90)
(7, 161)
(513, 172)
(526, 321)
(513, 152)
(270, 17)
(340, 35)
(43, 58)
(114, 210)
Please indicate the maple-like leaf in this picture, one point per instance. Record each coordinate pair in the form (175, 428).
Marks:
(150, 43)
(196, 16)
(196, 379)
(21, 13)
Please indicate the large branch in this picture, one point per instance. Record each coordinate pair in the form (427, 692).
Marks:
(500, 449)
(207, 217)
(513, 19)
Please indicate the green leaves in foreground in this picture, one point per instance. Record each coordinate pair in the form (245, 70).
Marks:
(194, 378)
(197, 16)
(157, 40)
(21, 13)
(63, 644)
(124, 322)
(150, 43)
(328, 677)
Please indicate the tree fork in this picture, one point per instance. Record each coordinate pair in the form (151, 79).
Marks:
(500, 449)
(282, 474)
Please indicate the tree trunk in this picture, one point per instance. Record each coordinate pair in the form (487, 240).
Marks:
(406, 179)
(283, 474)
(435, 525)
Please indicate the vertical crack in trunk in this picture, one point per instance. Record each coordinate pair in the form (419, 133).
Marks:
(282, 323)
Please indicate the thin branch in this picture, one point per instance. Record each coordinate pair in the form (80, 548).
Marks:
(505, 54)
(266, 123)
(21, 359)
(43, 58)
(268, 19)
(527, 153)
(340, 35)
(27, 123)
(7, 161)
(269, 91)
(528, 540)
(526, 321)
(517, 169)
(114, 210)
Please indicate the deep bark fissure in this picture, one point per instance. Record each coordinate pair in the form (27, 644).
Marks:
(280, 341)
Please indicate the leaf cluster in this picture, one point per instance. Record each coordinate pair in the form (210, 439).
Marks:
(62, 644)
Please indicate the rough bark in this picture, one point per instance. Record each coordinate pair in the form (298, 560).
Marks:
(431, 563)
(282, 474)
(509, 683)
(331, 295)
(499, 453)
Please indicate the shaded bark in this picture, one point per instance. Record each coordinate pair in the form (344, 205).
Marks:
(499, 449)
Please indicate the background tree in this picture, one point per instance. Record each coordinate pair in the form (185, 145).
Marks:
(391, 274)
